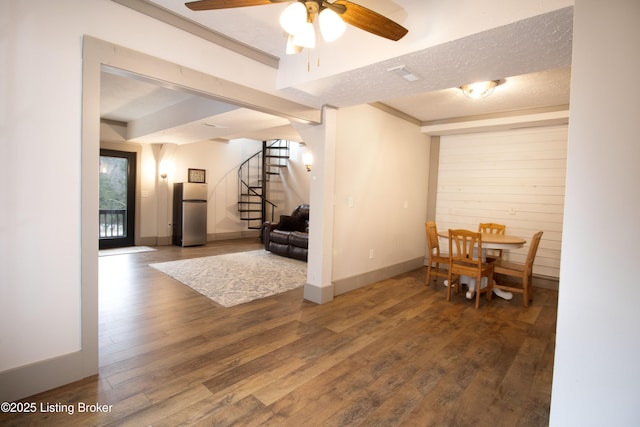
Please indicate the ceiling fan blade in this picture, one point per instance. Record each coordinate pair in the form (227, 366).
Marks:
(225, 4)
(368, 20)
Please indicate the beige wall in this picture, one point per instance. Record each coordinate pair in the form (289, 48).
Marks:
(382, 167)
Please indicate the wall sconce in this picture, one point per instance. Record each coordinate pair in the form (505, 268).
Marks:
(164, 169)
(479, 89)
(307, 159)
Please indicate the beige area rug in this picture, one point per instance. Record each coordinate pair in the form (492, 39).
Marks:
(127, 250)
(234, 279)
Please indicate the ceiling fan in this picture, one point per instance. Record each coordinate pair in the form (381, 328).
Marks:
(348, 12)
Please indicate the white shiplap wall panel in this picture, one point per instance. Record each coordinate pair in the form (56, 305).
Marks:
(513, 177)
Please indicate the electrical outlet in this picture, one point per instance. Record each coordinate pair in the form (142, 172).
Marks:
(370, 253)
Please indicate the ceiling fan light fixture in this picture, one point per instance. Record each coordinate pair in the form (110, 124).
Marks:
(331, 25)
(306, 36)
(292, 49)
(479, 89)
(293, 18)
(296, 18)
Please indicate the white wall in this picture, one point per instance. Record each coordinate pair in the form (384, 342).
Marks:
(221, 161)
(514, 177)
(382, 165)
(41, 108)
(153, 215)
(596, 377)
(291, 187)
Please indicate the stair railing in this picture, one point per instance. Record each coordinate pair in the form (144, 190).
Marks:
(251, 190)
(253, 175)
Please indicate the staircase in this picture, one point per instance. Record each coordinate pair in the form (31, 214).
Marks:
(254, 175)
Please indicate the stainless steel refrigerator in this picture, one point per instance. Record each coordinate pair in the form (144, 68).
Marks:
(189, 214)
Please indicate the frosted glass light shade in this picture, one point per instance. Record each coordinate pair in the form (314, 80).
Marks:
(306, 36)
(292, 49)
(479, 89)
(293, 18)
(331, 25)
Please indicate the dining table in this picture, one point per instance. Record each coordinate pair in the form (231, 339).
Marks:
(490, 241)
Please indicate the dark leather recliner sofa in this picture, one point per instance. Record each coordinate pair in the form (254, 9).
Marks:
(290, 236)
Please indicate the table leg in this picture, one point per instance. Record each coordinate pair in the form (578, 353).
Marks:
(471, 283)
(498, 292)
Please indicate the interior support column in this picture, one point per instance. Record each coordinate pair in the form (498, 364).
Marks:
(321, 139)
(434, 164)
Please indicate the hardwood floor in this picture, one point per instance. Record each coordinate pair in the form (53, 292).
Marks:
(392, 353)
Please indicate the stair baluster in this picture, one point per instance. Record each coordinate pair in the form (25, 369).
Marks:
(253, 176)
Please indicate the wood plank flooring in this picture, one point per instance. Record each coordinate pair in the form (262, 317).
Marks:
(392, 353)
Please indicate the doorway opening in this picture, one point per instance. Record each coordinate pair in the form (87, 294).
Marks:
(117, 199)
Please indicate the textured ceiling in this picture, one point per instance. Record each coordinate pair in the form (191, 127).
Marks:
(531, 56)
(530, 46)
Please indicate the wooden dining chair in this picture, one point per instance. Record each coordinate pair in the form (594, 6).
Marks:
(521, 271)
(465, 261)
(492, 228)
(433, 247)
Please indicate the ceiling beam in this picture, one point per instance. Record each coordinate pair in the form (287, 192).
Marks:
(194, 28)
(123, 61)
(498, 123)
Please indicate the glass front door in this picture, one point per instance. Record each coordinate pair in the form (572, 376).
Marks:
(117, 198)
